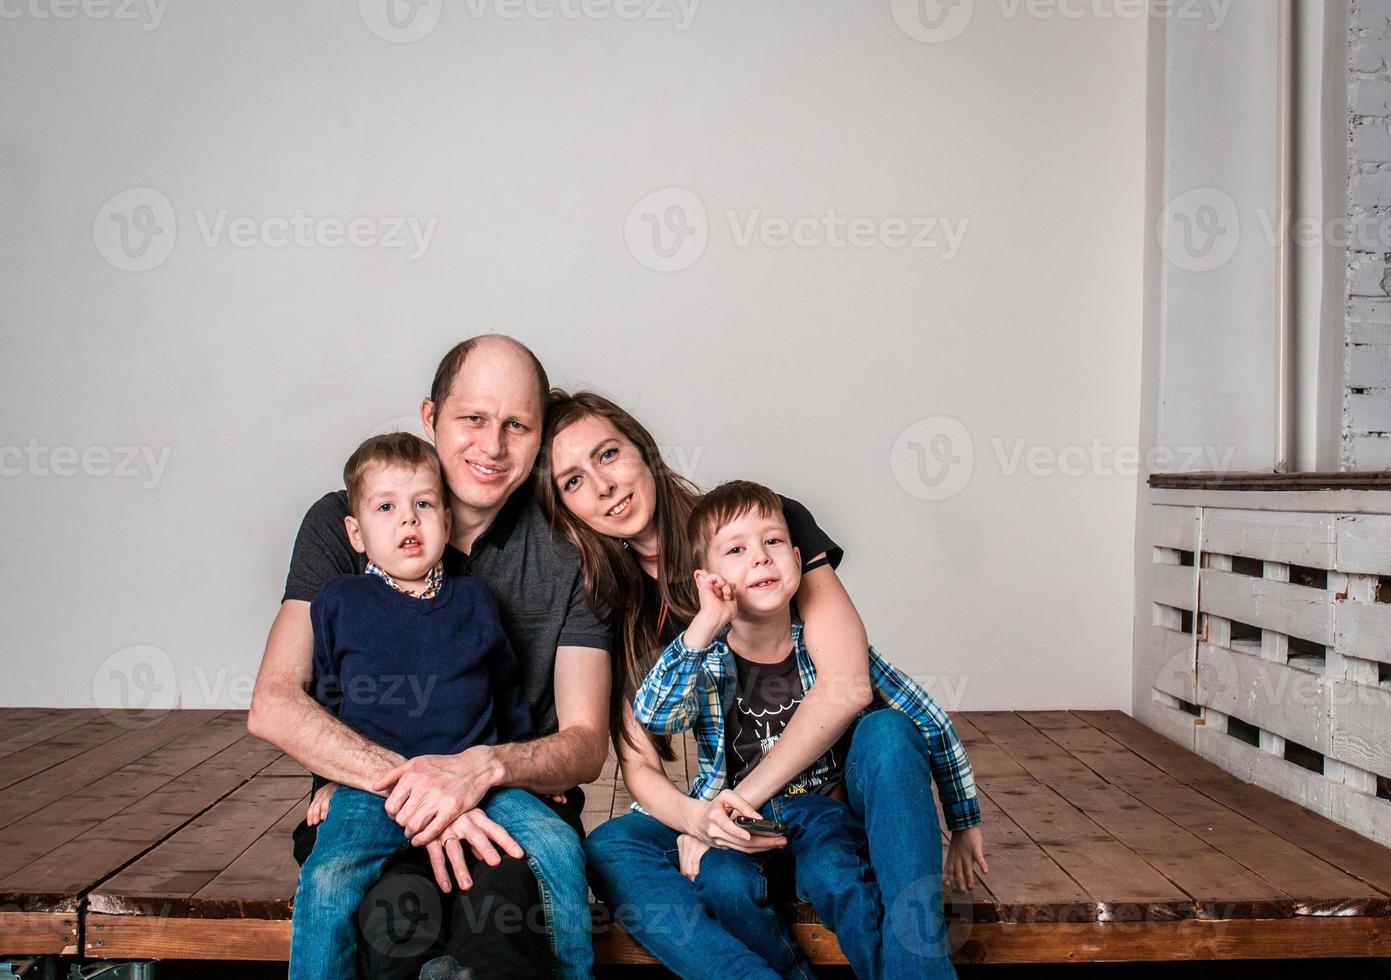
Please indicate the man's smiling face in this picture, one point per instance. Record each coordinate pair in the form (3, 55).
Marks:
(487, 429)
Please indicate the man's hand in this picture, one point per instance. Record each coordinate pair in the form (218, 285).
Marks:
(483, 837)
(430, 792)
(965, 853)
(713, 824)
(689, 852)
(318, 806)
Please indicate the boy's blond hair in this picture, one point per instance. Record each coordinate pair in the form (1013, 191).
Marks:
(726, 503)
(392, 449)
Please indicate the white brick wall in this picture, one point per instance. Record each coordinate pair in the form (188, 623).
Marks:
(1367, 357)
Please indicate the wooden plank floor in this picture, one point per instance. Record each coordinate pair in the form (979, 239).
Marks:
(167, 835)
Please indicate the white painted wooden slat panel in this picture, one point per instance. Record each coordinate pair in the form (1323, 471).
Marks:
(1363, 629)
(1296, 539)
(1276, 698)
(1173, 585)
(1364, 544)
(1174, 671)
(1175, 527)
(1295, 610)
(1252, 765)
(1360, 725)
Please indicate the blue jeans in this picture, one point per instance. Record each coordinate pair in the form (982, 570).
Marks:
(357, 839)
(634, 868)
(872, 869)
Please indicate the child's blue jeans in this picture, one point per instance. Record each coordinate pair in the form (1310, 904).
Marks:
(871, 869)
(358, 837)
(886, 910)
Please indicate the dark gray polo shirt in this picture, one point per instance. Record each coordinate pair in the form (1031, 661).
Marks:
(534, 573)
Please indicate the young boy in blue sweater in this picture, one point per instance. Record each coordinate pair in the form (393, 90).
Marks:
(860, 824)
(413, 659)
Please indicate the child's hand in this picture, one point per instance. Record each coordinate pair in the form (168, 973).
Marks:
(689, 852)
(717, 607)
(965, 853)
(318, 806)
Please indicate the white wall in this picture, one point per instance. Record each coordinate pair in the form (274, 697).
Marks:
(528, 141)
(1208, 381)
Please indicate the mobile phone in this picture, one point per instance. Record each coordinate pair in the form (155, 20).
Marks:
(768, 828)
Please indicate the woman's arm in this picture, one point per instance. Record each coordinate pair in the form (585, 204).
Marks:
(648, 782)
(707, 822)
(839, 647)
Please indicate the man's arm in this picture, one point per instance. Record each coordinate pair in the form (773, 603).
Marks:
(576, 753)
(838, 646)
(284, 714)
(430, 791)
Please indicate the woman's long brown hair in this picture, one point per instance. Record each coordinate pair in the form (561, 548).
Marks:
(612, 576)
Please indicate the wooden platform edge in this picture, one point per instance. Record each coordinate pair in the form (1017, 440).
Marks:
(38, 933)
(139, 937)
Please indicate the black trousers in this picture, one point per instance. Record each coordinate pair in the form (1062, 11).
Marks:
(497, 928)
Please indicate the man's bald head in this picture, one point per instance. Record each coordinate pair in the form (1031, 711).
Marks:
(506, 352)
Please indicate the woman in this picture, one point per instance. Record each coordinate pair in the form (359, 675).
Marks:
(605, 485)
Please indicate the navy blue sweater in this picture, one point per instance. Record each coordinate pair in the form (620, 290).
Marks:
(419, 676)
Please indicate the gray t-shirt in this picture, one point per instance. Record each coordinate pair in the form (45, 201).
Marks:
(534, 573)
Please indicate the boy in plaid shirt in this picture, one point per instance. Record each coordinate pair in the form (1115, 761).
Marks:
(859, 823)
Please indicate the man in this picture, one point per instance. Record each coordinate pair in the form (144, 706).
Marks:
(485, 414)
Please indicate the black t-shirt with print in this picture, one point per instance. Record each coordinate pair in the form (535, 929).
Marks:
(803, 532)
(765, 698)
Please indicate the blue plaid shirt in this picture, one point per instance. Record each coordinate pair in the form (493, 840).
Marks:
(693, 689)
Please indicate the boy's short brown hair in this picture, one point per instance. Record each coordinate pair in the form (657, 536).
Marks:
(392, 449)
(725, 503)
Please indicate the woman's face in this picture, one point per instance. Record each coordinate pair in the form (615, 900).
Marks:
(602, 479)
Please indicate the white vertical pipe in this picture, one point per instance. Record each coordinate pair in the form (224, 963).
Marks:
(1284, 202)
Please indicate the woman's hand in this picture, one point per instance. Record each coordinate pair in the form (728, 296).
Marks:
(689, 852)
(965, 853)
(483, 836)
(713, 824)
(318, 805)
(717, 608)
